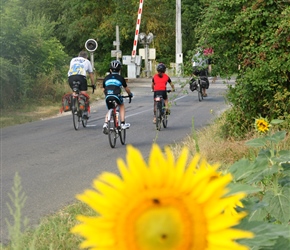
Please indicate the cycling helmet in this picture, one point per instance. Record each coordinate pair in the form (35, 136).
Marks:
(116, 66)
(161, 67)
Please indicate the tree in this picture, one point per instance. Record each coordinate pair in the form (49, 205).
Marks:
(252, 35)
(28, 50)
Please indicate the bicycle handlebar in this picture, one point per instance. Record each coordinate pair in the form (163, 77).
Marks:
(92, 86)
(127, 96)
(168, 90)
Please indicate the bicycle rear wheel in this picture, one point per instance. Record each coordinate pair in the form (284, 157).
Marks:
(199, 91)
(122, 134)
(112, 133)
(75, 113)
(158, 116)
(164, 120)
(84, 120)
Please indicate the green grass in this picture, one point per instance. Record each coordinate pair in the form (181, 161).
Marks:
(34, 112)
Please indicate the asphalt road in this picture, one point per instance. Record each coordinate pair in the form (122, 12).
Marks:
(55, 162)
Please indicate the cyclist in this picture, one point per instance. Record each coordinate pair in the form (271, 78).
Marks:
(79, 68)
(200, 68)
(159, 82)
(112, 86)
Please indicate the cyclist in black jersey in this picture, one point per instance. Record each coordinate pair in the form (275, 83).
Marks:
(112, 85)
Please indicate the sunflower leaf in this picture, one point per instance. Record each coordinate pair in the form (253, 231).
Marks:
(279, 204)
(241, 169)
(267, 236)
(238, 187)
(259, 142)
(276, 121)
(278, 136)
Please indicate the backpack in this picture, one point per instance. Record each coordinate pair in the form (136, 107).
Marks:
(66, 103)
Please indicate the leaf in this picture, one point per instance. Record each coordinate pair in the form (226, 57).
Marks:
(279, 204)
(286, 167)
(241, 169)
(261, 169)
(256, 209)
(285, 181)
(266, 234)
(278, 136)
(282, 243)
(276, 121)
(259, 142)
(237, 188)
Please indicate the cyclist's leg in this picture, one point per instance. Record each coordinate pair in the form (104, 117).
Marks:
(122, 112)
(204, 77)
(124, 125)
(154, 108)
(83, 90)
(165, 98)
(105, 126)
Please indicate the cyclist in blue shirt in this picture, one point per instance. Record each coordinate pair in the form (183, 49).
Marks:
(112, 85)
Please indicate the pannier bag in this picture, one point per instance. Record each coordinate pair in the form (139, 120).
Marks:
(205, 82)
(192, 84)
(66, 102)
(84, 100)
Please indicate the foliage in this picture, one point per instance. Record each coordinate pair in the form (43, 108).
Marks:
(267, 177)
(18, 199)
(29, 50)
(252, 36)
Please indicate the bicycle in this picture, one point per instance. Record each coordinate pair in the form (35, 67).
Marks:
(114, 126)
(78, 108)
(161, 113)
(197, 83)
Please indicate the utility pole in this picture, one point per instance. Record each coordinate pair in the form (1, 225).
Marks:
(178, 42)
(117, 42)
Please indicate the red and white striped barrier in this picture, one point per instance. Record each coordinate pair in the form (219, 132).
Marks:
(137, 31)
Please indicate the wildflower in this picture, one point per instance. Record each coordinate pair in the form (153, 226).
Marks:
(262, 125)
(161, 206)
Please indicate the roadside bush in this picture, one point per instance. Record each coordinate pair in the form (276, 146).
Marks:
(252, 39)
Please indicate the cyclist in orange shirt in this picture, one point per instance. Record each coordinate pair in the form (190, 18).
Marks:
(159, 82)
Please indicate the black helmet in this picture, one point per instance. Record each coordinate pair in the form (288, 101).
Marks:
(161, 67)
(116, 66)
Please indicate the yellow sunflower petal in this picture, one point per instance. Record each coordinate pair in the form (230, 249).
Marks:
(112, 180)
(215, 186)
(166, 204)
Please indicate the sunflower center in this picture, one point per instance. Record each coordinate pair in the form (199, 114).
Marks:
(159, 228)
(156, 221)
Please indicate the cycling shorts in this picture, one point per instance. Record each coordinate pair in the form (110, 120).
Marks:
(81, 78)
(111, 98)
(163, 93)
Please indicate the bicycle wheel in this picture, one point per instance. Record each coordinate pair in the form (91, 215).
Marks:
(122, 134)
(199, 90)
(165, 120)
(112, 133)
(158, 116)
(75, 113)
(84, 120)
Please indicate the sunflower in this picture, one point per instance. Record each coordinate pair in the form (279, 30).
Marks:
(162, 205)
(262, 125)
